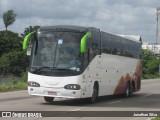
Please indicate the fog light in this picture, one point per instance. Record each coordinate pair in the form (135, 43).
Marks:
(31, 89)
(74, 92)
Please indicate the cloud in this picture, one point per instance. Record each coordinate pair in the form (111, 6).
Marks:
(117, 16)
(3, 4)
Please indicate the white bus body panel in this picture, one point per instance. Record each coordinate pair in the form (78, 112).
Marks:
(55, 85)
(110, 71)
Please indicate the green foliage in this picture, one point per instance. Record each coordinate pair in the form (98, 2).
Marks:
(12, 78)
(9, 18)
(150, 76)
(12, 59)
(14, 62)
(150, 65)
(24, 76)
(156, 118)
(9, 41)
(10, 86)
(29, 29)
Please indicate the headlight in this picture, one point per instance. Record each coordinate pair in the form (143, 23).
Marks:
(72, 87)
(33, 84)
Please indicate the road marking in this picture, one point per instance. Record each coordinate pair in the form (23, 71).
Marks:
(75, 110)
(114, 102)
(4, 105)
(145, 96)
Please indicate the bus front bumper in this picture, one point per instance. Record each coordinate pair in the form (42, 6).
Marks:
(54, 92)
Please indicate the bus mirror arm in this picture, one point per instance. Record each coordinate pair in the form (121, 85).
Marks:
(26, 40)
(84, 42)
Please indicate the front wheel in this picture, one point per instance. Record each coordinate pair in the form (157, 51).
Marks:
(49, 99)
(94, 95)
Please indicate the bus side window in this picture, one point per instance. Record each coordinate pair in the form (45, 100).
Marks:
(96, 40)
(95, 48)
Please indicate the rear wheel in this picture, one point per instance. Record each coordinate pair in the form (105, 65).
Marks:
(49, 99)
(128, 90)
(94, 95)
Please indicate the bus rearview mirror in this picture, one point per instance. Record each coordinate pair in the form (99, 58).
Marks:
(84, 41)
(26, 40)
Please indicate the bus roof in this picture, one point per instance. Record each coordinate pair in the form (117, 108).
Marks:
(75, 28)
(68, 27)
(136, 38)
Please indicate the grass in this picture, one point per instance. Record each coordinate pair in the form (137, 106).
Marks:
(150, 76)
(156, 118)
(13, 83)
(13, 86)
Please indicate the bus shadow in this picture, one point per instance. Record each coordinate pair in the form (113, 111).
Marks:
(83, 102)
(74, 102)
(136, 101)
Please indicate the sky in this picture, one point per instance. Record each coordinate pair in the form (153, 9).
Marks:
(129, 17)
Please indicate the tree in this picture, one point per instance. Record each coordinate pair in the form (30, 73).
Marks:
(29, 29)
(150, 64)
(14, 62)
(9, 42)
(9, 18)
(12, 59)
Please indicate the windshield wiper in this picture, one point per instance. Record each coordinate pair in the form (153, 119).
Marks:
(62, 69)
(52, 68)
(41, 68)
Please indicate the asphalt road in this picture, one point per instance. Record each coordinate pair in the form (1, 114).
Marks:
(148, 99)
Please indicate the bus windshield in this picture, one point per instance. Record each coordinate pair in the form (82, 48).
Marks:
(57, 50)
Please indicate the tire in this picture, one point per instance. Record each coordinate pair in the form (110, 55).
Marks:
(128, 90)
(49, 99)
(94, 97)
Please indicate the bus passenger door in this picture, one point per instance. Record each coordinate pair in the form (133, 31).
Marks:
(94, 59)
(86, 75)
(91, 63)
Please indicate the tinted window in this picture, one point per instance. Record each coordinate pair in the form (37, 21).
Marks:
(113, 44)
(58, 50)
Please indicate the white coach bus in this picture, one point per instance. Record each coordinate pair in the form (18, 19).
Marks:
(81, 62)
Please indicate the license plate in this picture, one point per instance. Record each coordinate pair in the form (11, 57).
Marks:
(52, 93)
